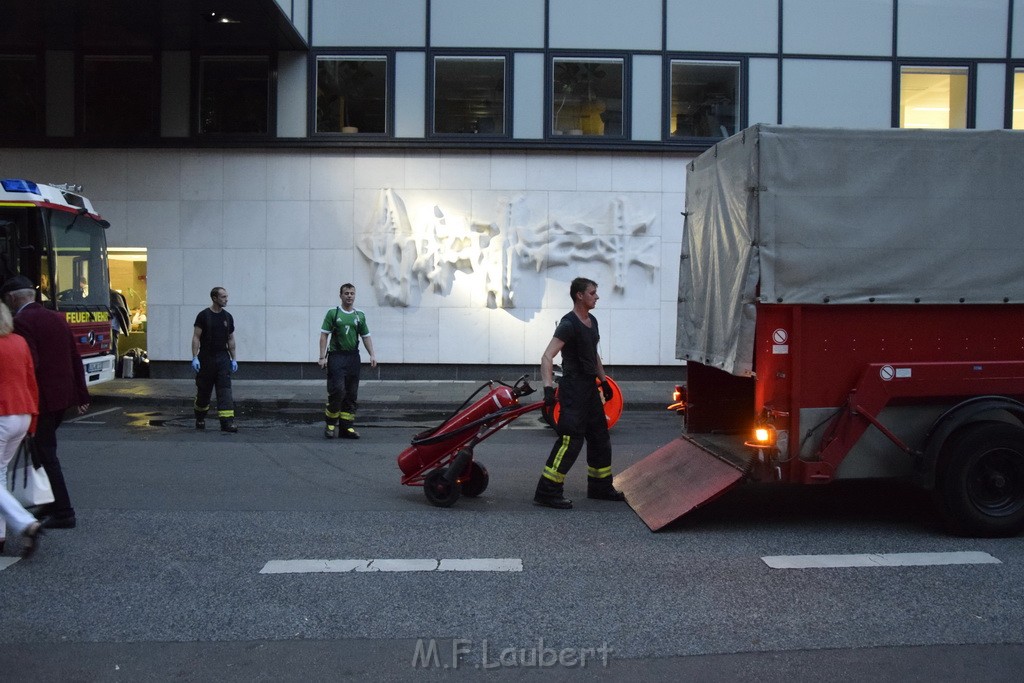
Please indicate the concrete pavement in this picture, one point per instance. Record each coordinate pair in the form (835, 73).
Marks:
(310, 395)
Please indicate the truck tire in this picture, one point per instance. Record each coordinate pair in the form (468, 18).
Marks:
(981, 480)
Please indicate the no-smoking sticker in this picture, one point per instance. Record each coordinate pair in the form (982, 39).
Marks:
(780, 336)
(887, 372)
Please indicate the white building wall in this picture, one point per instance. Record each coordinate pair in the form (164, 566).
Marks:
(282, 230)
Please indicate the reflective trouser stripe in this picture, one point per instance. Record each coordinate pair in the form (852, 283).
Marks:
(224, 414)
(599, 472)
(553, 475)
(330, 415)
(346, 416)
(200, 409)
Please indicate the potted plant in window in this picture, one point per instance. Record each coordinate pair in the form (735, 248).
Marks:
(576, 87)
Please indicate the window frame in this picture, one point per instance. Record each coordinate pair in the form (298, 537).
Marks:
(430, 113)
(82, 88)
(741, 62)
(625, 59)
(389, 93)
(37, 87)
(198, 58)
(937, 65)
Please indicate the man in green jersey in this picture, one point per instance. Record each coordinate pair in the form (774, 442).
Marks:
(339, 353)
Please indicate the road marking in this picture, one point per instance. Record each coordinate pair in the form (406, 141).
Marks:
(872, 560)
(6, 562)
(92, 415)
(510, 564)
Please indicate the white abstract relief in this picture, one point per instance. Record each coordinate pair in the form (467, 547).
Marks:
(425, 255)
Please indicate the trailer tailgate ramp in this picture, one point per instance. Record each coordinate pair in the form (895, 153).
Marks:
(673, 480)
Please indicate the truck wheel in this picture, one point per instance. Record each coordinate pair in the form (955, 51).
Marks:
(477, 482)
(981, 480)
(440, 491)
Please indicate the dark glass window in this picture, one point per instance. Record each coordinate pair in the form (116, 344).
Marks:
(469, 95)
(351, 94)
(21, 95)
(705, 99)
(234, 95)
(586, 97)
(119, 96)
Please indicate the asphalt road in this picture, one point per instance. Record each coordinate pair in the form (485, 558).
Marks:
(163, 578)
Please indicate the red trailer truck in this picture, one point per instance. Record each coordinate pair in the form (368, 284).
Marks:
(851, 305)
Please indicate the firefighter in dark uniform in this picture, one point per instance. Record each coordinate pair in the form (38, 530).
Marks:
(582, 415)
(213, 360)
(339, 353)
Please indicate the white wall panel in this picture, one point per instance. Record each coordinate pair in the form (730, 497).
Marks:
(929, 28)
(399, 23)
(1018, 32)
(528, 98)
(410, 95)
(991, 96)
(647, 87)
(837, 27)
(487, 23)
(762, 93)
(723, 25)
(841, 93)
(605, 24)
(175, 83)
(291, 95)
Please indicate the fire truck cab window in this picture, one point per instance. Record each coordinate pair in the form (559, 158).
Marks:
(79, 267)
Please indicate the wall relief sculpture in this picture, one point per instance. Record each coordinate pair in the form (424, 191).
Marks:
(409, 256)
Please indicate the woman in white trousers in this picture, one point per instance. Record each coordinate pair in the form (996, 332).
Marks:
(19, 403)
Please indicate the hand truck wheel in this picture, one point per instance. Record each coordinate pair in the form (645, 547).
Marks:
(477, 482)
(439, 490)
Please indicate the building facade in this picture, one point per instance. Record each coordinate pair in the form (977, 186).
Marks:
(459, 161)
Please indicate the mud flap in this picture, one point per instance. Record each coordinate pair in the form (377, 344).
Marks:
(673, 480)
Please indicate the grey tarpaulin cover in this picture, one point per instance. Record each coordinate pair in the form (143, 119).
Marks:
(836, 216)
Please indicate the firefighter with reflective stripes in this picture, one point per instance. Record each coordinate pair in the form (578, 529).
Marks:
(339, 352)
(582, 415)
(213, 360)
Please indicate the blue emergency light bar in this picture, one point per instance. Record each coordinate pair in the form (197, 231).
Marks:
(18, 185)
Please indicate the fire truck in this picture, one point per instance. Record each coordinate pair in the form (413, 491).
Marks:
(851, 306)
(52, 235)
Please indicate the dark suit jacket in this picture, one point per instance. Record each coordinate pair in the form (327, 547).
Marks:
(59, 371)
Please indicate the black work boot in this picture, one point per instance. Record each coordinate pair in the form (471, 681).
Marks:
(200, 420)
(602, 489)
(330, 430)
(550, 495)
(228, 425)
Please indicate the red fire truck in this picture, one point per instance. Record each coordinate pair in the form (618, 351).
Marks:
(851, 305)
(52, 235)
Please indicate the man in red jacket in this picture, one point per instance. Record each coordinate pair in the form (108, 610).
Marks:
(61, 380)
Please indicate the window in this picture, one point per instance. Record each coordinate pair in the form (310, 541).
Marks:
(1017, 123)
(21, 95)
(234, 95)
(705, 99)
(586, 97)
(351, 95)
(933, 97)
(109, 109)
(469, 95)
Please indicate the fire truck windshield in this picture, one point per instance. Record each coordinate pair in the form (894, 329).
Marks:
(79, 252)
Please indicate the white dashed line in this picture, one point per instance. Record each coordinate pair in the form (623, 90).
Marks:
(870, 560)
(392, 565)
(6, 562)
(89, 416)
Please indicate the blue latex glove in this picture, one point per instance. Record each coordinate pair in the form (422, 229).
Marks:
(234, 366)
(195, 364)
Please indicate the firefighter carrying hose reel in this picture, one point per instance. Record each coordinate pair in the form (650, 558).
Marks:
(582, 417)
